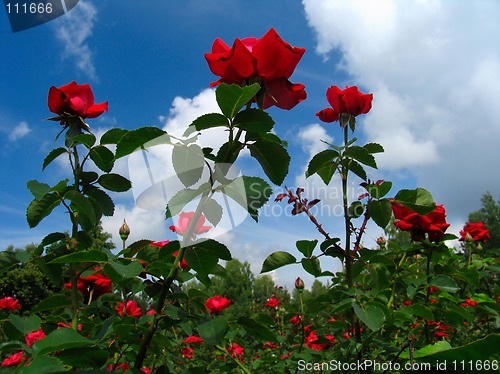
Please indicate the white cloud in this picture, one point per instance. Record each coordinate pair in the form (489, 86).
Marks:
(434, 69)
(73, 30)
(20, 131)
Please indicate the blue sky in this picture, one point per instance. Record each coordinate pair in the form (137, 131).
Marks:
(433, 67)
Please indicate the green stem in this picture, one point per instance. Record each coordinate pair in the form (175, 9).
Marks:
(347, 218)
(74, 231)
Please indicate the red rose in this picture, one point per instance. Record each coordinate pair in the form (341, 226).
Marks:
(476, 230)
(75, 99)
(14, 360)
(469, 302)
(188, 352)
(351, 101)
(433, 223)
(9, 303)
(123, 367)
(295, 320)
(236, 350)
(160, 244)
(131, 309)
(269, 61)
(93, 286)
(273, 302)
(34, 336)
(217, 304)
(184, 221)
(193, 339)
(312, 338)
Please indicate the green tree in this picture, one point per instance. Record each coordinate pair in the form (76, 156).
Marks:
(489, 214)
(263, 288)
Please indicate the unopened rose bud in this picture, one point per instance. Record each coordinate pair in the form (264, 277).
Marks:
(299, 284)
(124, 231)
(468, 237)
(381, 241)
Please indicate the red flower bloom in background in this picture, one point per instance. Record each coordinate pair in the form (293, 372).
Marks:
(184, 221)
(469, 302)
(183, 264)
(121, 366)
(188, 352)
(351, 101)
(93, 286)
(9, 303)
(193, 339)
(312, 338)
(295, 320)
(131, 309)
(236, 351)
(273, 302)
(476, 230)
(75, 99)
(269, 61)
(433, 223)
(14, 360)
(160, 244)
(34, 336)
(217, 304)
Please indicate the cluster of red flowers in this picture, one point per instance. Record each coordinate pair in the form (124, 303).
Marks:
(188, 352)
(312, 341)
(93, 286)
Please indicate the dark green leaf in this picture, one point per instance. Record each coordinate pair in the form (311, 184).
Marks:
(381, 212)
(25, 325)
(44, 365)
(423, 311)
(112, 136)
(103, 158)
(135, 247)
(257, 330)
(312, 266)
(216, 248)
(231, 98)
(356, 209)
(182, 198)
(371, 315)
(356, 168)
(212, 331)
(102, 199)
(81, 204)
(306, 247)
(255, 120)
(88, 177)
(200, 260)
(39, 209)
(114, 182)
(88, 140)
(444, 283)
(88, 357)
(321, 160)
(127, 271)
(276, 260)
(207, 121)
(188, 162)
(380, 190)
(418, 200)
(361, 155)
(84, 256)
(53, 238)
(326, 173)
(55, 153)
(212, 211)
(250, 192)
(273, 158)
(52, 302)
(59, 340)
(37, 189)
(373, 148)
(136, 139)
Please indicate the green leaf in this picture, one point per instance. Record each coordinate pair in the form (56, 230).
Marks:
(216, 248)
(418, 200)
(250, 192)
(112, 136)
(431, 349)
(81, 204)
(88, 140)
(276, 260)
(103, 158)
(207, 121)
(44, 365)
(55, 153)
(423, 311)
(133, 140)
(373, 148)
(200, 260)
(257, 330)
(127, 271)
(212, 211)
(93, 255)
(177, 203)
(356, 168)
(27, 325)
(312, 266)
(188, 162)
(381, 212)
(356, 209)
(59, 340)
(102, 199)
(52, 302)
(255, 120)
(321, 160)
(88, 177)
(326, 173)
(212, 331)
(38, 189)
(273, 158)
(39, 209)
(306, 247)
(372, 316)
(135, 247)
(88, 357)
(114, 182)
(380, 190)
(362, 155)
(231, 98)
(444, 283)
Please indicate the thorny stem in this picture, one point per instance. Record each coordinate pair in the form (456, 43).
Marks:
(363, 226)
(74, 231)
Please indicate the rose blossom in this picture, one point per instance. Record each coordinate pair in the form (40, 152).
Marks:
(476, 230)
(270, 61)
(75, 99)
(33, 336)
(94, 285)
(184, 221)
(193, 339)
(350, 100)
(217, 304)
(9, 303)
(273, 302)
(131, 309)
(14, 360)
